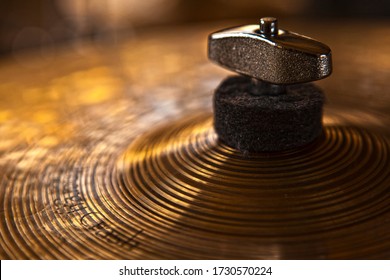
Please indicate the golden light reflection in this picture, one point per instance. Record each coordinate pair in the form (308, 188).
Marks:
(65, 129)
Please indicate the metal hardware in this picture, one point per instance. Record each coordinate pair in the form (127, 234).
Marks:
(269, 26)
(269, 54)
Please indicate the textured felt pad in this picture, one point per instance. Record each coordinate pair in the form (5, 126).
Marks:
(253, 122)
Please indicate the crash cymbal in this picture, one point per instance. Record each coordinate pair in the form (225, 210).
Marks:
(109, 153)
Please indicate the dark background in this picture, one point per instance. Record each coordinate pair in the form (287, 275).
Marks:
(28, 24)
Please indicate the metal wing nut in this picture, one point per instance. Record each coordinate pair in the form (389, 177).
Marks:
(281, 58)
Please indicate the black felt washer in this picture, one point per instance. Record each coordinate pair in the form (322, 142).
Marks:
(253, 122)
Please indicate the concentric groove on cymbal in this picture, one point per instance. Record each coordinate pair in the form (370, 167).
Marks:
(183, 177)
(177, 192)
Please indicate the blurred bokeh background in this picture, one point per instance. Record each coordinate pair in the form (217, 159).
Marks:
(35, 23)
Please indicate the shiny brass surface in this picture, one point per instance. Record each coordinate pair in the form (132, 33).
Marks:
(108, 152)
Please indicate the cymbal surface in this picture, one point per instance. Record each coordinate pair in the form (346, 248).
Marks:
(113, 156)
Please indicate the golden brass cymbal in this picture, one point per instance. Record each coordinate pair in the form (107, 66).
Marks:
(113, 156)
